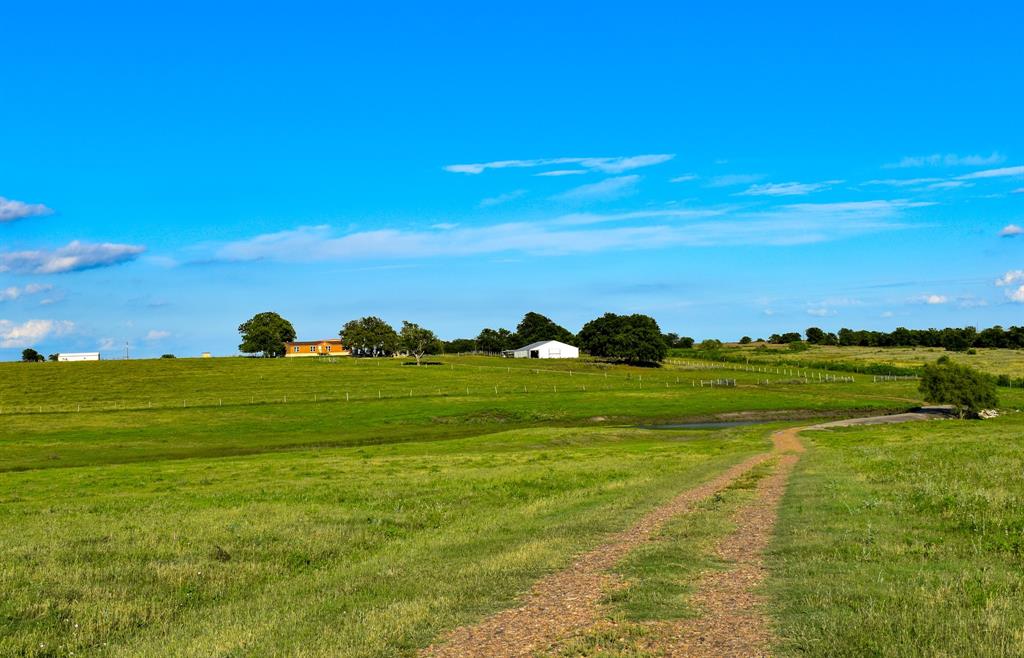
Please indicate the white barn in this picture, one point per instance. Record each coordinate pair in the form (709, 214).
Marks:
(545, 349)
(78, 356)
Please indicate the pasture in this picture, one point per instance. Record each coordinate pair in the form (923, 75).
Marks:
(993, 361)
(364, 507)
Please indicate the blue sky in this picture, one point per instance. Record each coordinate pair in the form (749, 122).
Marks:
(167, 172)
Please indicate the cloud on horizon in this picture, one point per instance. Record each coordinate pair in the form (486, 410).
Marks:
(11, 210)
(1011, 230)
(31, 332)
(615, 165)
(73, 257)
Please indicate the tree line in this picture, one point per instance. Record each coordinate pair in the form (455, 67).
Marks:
(954, 339)
(632, 338)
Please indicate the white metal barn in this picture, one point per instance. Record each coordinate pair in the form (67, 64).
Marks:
(78, 356)
(545, 349)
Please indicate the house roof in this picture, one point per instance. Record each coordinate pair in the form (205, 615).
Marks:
(313, 342)
(533, 346)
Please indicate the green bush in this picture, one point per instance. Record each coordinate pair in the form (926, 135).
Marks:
(967, 389)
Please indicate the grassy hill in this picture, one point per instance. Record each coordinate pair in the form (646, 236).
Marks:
(359, 507)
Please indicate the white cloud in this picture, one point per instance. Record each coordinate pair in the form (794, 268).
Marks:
(946, 160)
(31, 332)
(684, 178)
(729, 180)
(157, 334)
(902, 182)
(1019, 190)
(1010, 230)
(584, 233)
(72, 257)
(502, 198)
(1016, 171)
(1011, 277)
(787, 189)
(949, 185)
(13, 292)
(107, 344)
(1016, 295)
(444, 226)
(932, 299)
(615, 165)
(887, 314)
(11, 210)
(608, 189)
(562, 172)
(820, 312)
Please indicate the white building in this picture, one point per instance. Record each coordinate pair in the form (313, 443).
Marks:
(545, 349)
(78, 356)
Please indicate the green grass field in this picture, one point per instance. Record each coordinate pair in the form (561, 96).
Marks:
(153, 508)
(994, 361)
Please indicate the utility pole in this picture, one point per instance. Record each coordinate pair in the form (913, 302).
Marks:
(126, 350)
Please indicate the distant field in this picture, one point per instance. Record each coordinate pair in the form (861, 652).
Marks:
(245, 507)
(995, 361)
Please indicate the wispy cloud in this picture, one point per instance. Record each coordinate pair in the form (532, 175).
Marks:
(444, 226)
(1016, 171)
(946, 160)
(903, 182)
(787, 189)
(615, 165)
(157, 334)
(728, 180)
(72, 257)
(13, 292)
(609, 188)
(1011, 230)
(31, 332)
(821, 312)
(794, 224)
(684, 178)
(11, 210)
(562, 172)
(502, 198)
(933, 300)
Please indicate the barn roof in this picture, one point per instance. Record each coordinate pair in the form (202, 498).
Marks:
(533, 346)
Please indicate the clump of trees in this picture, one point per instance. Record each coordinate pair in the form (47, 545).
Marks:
(675, 340)
(535, 327)
(369, 336)
(967, 389)
(29, 355)
(634, 339)
(265, 333)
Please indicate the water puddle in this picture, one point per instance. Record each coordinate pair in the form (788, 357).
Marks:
(710, 425)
